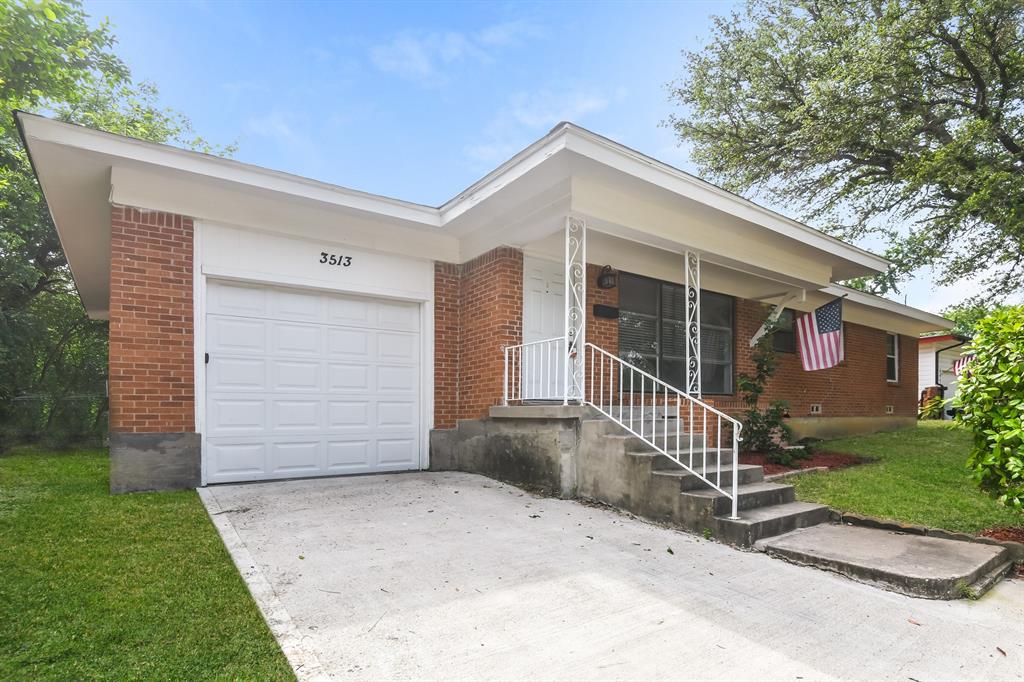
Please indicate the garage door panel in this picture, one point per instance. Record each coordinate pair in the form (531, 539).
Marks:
(295, 339)
(356, 312)
(345, 455)
(226, 298)
(397, 378)
(394, 347)
(236, 415)
(295, 415)
(349, 414)
(302, 376)
(296, 305)
(397, 452)
(398, 315)
(396, 413)
(295, 457)
(235, 460)
(236, 336)
(344, 377)
(350, 344)
(237, 374)
(310, 383)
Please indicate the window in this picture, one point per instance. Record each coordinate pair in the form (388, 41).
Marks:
(652, 332)
(892, 357)
(784, 337)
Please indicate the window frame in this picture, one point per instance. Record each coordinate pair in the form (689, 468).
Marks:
(895, 355)
(659, 326)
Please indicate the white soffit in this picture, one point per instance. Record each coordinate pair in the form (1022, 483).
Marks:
(74, 165)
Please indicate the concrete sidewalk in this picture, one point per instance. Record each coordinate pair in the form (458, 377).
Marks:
(443, 576)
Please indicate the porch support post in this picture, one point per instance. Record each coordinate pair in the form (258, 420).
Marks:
(692, 279)
(575, 307)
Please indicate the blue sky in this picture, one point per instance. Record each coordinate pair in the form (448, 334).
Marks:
(416, 100)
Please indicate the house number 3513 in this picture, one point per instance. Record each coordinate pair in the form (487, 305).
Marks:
(335, 259)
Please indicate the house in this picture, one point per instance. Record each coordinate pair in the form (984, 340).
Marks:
(267, 326)
(935, 376)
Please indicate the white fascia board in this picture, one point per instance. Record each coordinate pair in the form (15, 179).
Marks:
(872, 301)
(674, 180)
(502, 176)
(207, 165)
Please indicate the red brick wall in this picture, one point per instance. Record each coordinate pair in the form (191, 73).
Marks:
(856, 387)
(601, 331)
(152, 385)
(482, 314)
(446, 344)
(478, 311)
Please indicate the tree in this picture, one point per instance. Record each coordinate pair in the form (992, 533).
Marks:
(966, 315)
(990, 393)
(901, 118)
(52, 357)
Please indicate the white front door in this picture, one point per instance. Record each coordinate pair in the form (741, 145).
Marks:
(543, 366)
(305, 383)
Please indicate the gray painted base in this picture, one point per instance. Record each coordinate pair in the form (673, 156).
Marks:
(154, 461)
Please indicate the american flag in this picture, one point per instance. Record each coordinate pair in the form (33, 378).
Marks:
(961, 363)
(820, 336)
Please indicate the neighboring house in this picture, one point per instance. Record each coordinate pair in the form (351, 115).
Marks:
(263, 325)
(936, 355)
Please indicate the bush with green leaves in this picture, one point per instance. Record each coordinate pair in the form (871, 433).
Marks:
(764, 428)
(990, 393)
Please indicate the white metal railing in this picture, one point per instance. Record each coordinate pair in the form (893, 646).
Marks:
(535, 371)
(618, 390)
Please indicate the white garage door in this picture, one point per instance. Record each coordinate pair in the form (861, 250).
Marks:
(303, 383)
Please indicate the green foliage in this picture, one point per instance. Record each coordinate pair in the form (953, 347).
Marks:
(932, 408)
(52, 357)
(901, 118)
(118, 587)
(966, 315)
(764, 429)
(915, 475)
(991, 394)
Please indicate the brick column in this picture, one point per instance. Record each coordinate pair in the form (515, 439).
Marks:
(153, 444)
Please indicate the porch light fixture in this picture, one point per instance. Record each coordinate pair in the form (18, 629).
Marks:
(607, 278)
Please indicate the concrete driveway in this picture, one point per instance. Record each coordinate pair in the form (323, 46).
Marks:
(457, 576)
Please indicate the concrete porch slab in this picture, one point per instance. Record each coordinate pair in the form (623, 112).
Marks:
(914, 565)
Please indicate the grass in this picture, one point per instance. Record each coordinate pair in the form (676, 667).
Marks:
(919, 477)
(118, 587)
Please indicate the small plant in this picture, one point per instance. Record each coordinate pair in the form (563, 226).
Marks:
(932, 408)
(965, 590)
(707, 534)
(990, 395)
(764, 429)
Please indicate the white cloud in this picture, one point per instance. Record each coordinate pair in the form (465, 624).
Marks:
(526, 116)
(424, 56)
(274, 125)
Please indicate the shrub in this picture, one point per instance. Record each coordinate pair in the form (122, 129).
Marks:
(990, 394)
(932, 408)
(764, 429)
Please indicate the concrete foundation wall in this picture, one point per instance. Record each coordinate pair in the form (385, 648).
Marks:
(838, 427)
(535, 452)
(154, 461)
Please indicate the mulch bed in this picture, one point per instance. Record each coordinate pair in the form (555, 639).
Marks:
(832, 460)
(1005, 533)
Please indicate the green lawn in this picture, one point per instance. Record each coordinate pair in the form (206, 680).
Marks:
(132, 586)
(919, 478)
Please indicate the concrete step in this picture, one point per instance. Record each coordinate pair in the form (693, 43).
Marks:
(748, 473)
(765, 522)
(916, 565)
(748, 496)
(680, 443)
